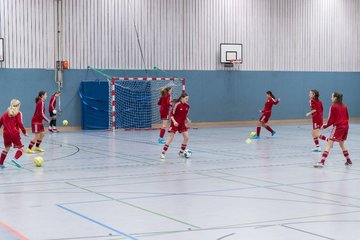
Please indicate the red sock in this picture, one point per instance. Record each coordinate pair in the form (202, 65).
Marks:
(258, 129)
(183, 147)
(18, 154)
(38, 142)
(162, 132)
(2, 158)
(316, 141)
(346, 155)
(324, 156)
(32, 143)
(165, 148)
(322, 137)
(269, 129)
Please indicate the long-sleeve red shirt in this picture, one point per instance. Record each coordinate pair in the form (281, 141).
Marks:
(316, 104)
(338, 116)
(165, 103)
(39, 114)
(268, 104)
(180, 112)
(12, 125)
(52, 104)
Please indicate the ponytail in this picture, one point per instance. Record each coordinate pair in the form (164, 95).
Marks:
(40, 95)
(164, 91)
(271, 94)
(338, 98)
(316, 93)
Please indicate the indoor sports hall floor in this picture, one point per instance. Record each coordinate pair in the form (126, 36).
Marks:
(96, 185)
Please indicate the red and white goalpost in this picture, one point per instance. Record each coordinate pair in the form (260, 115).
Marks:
(133, 101)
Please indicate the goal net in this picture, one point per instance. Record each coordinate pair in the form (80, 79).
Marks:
(133, 101)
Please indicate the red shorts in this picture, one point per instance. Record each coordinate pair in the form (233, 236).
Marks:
(339, 134)
(181, 128)
(12, 140)
(37, 127)
(164, 115)
(265, 117)
(317, 123)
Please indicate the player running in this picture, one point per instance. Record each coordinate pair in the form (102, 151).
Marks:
(266, 113)
(165, 103)
(12, 122)
(316, 112)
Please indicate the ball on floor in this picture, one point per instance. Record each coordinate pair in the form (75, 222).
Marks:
(38, 161)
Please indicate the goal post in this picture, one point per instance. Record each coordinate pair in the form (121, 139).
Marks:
(133, 101)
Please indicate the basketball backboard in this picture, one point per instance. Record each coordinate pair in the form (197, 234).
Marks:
(230, 52)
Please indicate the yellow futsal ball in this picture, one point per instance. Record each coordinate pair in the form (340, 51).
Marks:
(38, 161)
(65, 122)
(252, 134)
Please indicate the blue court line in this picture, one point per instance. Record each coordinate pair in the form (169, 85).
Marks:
(97, 222)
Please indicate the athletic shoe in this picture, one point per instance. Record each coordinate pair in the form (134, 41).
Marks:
(273, 133)
(348, 163)
(55, 130)
(29, 151)
(318, 165)
(255, 137)
(162, 156)
(16, 163)
(39, 149)
(161, 140)
(2, 166)
(317, 149)
(50, 130)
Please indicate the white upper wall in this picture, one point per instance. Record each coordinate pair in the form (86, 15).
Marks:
(285, 35)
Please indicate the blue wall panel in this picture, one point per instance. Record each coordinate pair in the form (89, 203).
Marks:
(215, 96)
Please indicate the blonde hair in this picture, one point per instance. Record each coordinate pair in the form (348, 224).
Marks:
(14, 107)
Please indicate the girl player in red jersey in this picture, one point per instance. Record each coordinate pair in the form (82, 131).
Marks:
(12, 122)
(179, 123)
(266, 113)
(316, 112)
(339, 119)
(165, 103)
(52, 111)
(36, 123)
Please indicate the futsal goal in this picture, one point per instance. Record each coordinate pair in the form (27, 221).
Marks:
(133, 101)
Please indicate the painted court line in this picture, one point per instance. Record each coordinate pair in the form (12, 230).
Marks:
(97, 222)
(13, 231)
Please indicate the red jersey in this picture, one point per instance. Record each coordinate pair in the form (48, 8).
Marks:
(180, 112)
(52, 104)
(12, 125)
(39, 114)
(268, 104)
(338, 116)
(316, 104)
(165, 103)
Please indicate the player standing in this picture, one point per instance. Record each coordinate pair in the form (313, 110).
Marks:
(52, 111)
(179, 123)
(165, 103)
(266, 113)
(37, 126)
(339, 119)
(316, 112)
(12, 122)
